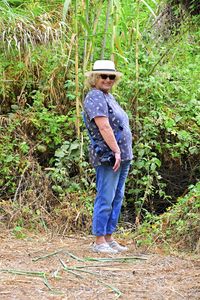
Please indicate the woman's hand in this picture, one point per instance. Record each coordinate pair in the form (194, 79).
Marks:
(117, 161)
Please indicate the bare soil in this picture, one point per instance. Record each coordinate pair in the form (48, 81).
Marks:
(150, 276)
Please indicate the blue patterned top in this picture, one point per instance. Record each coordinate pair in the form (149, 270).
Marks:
(99, 104)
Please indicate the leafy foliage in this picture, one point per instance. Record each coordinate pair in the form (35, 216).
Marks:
(43, 56)
(175, 226)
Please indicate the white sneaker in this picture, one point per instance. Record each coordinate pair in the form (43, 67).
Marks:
(103, 248)
(115, 246)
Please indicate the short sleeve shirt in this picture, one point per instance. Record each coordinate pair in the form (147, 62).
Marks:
(99, 104)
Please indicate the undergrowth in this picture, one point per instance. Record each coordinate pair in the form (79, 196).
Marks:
(178, 228)
(45, 176)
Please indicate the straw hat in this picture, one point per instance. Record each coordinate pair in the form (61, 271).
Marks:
(104, 67)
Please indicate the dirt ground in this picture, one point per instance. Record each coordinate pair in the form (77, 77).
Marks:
(43, 267)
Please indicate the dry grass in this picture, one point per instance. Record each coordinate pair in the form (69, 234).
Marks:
(20, 32)
(36, 207)
(64, 268)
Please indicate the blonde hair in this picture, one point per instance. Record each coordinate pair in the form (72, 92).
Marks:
(93, 77)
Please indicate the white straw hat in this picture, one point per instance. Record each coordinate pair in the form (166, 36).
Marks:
(104, 67)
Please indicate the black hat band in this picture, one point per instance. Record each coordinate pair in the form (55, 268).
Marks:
(109, 70)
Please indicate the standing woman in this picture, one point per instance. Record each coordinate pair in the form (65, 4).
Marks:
(110, 153)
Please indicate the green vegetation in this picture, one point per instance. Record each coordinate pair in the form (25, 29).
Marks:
(178, 227)
(46, 46)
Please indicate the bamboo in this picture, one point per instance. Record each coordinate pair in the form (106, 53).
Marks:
(72, 41)
(71, 270)
(115, 259)
(89, 52)
(68, 270)
(114, 289)
(83, 271)
(114, 11)
(65, 9)
(22, 272)
(137, 219)
(106, 29)
(76, 74)
(137, 68)
(46, 282)
(73, 256)
(46, 256)
(86, 36)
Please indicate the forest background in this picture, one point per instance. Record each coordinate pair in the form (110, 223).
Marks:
(46, 180)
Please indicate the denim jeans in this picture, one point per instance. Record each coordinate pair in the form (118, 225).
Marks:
(110, 187)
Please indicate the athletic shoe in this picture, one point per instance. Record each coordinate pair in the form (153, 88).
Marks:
(115, 246)
(103, 248)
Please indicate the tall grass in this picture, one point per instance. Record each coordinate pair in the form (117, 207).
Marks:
(21, 31)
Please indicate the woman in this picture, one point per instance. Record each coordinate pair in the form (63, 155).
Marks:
(110, 153)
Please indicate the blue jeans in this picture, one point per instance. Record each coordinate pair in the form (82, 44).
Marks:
(110, 187)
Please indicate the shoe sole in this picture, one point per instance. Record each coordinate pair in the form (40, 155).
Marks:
(105, 252)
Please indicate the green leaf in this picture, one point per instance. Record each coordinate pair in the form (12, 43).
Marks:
(169, 123)
(149, 8)
(85, 25)
(74, 146)
(59, 153)
(184, 135)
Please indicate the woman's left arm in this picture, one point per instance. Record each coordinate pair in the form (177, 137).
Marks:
(109, 137)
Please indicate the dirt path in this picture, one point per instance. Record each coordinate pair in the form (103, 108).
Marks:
(155, 277)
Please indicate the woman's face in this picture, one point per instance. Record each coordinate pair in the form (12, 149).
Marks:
(105, 82)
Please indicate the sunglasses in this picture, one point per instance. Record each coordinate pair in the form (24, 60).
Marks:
(105, 76)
